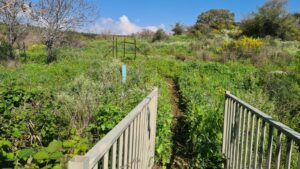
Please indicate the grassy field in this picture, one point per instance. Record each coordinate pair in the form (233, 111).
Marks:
(81, 95)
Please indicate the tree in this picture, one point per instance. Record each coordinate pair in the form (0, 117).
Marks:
(216, 18)
(178, 29)
(13, 14)
(272, 19)
(59, 16)
(159, 35)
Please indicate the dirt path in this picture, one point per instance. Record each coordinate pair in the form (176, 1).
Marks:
(178, 159)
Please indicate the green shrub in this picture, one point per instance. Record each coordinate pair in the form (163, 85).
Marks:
(5, 49)
(159, 35)
(272, 19)
(284, 88)
(178, 29)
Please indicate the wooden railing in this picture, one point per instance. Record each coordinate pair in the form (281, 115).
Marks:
(245, 143)
(128, 145)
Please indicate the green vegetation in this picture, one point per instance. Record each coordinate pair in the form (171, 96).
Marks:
(272, 19)
(52, 112)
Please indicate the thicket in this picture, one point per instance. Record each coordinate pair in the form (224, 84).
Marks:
(272, 19)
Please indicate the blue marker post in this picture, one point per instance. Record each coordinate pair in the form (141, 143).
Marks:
(124, 73)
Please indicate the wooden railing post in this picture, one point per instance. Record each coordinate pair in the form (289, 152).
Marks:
(79, 162)
(225, 128)
(152, 126)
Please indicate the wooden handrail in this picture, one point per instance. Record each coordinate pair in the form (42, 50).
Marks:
(244, 137)
(129, 136)
(283, 128)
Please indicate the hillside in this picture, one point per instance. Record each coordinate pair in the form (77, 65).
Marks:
(61, 91)
(82, 89)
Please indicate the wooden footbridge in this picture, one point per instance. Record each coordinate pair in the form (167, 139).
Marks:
(249, 138)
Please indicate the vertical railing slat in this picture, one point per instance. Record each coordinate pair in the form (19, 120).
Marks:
(147, 140)
(144, 138)
(246, 139)
(228, 134)
(289, 149)
(130, 146)
(256, 142)
(142, 135)
(225, 125)
(96, 166)
(114, 156)
(152, 106)
(134, 144)
(105, 160)
(240, 161)
(261, 148)
(120, 152)
(140, 141)
(278, 150)
(237, 135)
(251, 141)
(269, 151)
(232, 134)
(137, 142)
(125, 159)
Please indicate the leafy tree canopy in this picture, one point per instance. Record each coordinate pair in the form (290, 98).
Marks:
(216, 18)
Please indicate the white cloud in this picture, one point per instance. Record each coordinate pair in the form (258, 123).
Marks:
(122, 27)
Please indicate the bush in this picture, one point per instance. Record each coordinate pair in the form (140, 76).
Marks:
(199, 30)
(243, 48)
(272, 20)
(146, 49)
(159, 35)
(5, 49)
(284, 88)
(203, 55)
(178, 29)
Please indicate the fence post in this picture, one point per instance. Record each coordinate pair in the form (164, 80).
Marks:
(113, 47)
(225, 126)
(116, 47)
(79, 162)
(134, 48)
(124, 73)
(124, 48)
(153, 113)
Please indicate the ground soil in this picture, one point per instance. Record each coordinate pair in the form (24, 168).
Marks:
(179, 158)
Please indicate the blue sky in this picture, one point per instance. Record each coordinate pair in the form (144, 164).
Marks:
(164, 13)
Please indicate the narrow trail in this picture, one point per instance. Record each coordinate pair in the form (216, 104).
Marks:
(178, 158)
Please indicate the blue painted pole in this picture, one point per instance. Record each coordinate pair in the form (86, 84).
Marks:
(124, 73)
